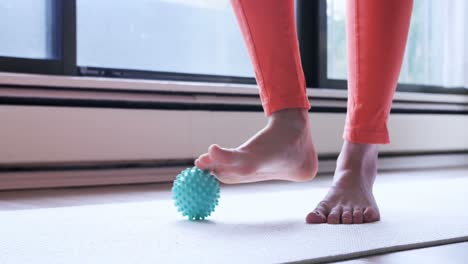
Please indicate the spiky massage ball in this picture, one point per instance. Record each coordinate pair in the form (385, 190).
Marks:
(195, 193)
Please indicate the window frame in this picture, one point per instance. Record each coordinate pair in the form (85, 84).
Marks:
(311, 20)
(64, 42)
(319, 78)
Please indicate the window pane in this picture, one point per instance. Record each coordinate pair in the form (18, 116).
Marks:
(185, 36)
(27, 29)
(437, 48)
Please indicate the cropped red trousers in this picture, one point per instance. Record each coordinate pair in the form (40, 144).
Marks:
(376, 32)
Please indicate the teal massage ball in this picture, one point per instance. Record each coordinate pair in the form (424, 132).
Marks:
(195, 193)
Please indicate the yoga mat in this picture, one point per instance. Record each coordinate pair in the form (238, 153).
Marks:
(262, 225)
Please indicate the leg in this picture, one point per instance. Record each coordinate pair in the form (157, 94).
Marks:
(377, 33)
(284, 149)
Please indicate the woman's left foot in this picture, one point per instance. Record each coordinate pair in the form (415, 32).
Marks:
(350, 199)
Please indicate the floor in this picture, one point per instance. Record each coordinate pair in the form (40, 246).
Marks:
(46, 198)
(453, 253)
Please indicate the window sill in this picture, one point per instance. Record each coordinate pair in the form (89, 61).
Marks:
(20, 80)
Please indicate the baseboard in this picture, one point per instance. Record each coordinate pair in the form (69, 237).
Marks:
(36, 176)
(33, 134)
(408, 162)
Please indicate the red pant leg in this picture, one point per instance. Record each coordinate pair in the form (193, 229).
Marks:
(377, 31)
(269, 31)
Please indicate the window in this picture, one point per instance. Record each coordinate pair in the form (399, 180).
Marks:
(28, 29)
(181, 36)
(36, 36)
(199, 40)
(436, 53)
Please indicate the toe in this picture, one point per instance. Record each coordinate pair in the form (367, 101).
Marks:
(357, 215)
(319, 215)
(221, 155)
(371, 215)
(347, 216)
(316, 217)
(203, 162)
(334, 216)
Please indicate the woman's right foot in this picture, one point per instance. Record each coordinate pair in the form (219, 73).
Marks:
(283, 150)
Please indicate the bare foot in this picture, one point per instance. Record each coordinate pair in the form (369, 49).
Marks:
(350, 199)
(283, 150)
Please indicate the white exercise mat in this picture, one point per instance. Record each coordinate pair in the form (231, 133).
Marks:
(265, 225)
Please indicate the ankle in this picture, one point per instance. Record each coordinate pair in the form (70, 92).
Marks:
(291, 118)
(357, 160)
(359, 148)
